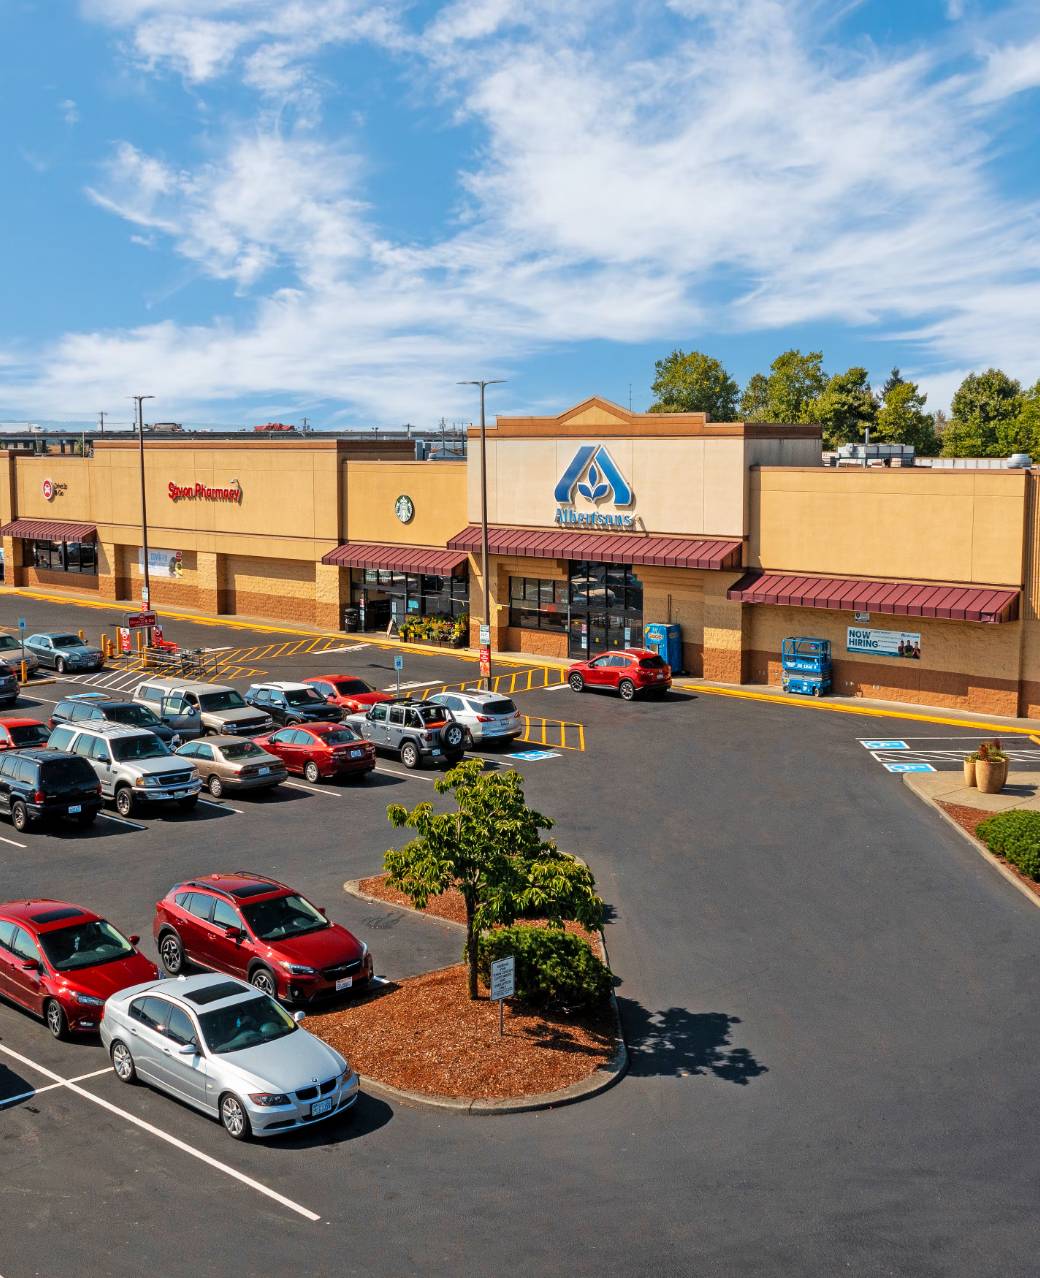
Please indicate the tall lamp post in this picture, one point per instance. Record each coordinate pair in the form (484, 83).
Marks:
(483, 384)
(147, 591)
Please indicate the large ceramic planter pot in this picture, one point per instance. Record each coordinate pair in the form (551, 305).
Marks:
(990, 777)
(969, 771)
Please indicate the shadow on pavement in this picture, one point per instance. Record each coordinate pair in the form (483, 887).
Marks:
(13, 1087)
(678, 1042)
(368, 1115)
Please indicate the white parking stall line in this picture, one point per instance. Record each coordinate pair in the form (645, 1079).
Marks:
(132, 825)
(553, 687)
(298, 785)
(416, 683)
(73, 1086)
(409, 776)
(38, 1091)
(13, 842)
(221, 807)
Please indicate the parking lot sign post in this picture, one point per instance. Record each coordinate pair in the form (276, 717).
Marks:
(398, 667)
(503, 985)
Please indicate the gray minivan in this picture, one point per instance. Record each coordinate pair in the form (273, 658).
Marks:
(194, 709)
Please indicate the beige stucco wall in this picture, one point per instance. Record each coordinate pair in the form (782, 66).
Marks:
(918, 524)
(437, 490)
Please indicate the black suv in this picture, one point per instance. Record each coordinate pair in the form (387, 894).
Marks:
(94, 710)
(291, 704)
(8, 685)
(36, 784)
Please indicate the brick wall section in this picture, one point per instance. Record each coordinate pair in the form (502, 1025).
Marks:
(281, 588)
(546, 643)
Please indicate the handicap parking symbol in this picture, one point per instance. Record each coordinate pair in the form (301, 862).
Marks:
(531, 755)
(884, 745)
(909, 767)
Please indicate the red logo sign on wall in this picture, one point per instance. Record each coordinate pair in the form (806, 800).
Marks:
(199, 492)
(51, 489)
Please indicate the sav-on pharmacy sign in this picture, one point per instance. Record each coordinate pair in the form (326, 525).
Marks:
(594, 475)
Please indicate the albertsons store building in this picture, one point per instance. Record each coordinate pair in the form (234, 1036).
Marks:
(601, 521)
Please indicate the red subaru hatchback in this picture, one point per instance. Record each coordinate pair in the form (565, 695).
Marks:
(632, 671)
(353, 694)
(320, 750)
(262, 931)
(61, 962)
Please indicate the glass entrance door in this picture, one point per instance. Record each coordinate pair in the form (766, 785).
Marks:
(606, 609)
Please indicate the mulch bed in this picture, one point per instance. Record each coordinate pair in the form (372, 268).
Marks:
(969, 819)
(425, 1035)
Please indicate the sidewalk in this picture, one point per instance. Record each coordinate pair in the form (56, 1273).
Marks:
(1022, 791)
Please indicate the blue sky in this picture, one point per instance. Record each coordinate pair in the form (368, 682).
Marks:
(340, 208)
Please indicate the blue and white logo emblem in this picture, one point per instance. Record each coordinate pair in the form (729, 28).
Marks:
(594, 475)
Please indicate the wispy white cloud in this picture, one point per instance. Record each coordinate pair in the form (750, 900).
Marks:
(1010, 69)
(69, 111)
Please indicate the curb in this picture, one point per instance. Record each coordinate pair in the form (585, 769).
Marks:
(977, 844)
(603, 1078)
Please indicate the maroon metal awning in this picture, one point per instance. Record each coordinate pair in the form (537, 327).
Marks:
(610, 548)
(896, 598)
(430, 560)
(49, 530)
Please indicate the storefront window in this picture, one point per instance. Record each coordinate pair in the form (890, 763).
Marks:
(537, 604)
(606, 608)
(389, 594)
(65, 556)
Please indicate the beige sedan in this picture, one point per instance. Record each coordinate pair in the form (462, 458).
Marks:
(233, 763)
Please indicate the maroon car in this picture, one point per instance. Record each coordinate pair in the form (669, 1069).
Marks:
(62, 961)
(319, 751)
(629, 672)
(262, 931)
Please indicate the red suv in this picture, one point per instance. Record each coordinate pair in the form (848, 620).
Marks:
(262, 931)
(635, 670)
(22, 734)
(61, 962)
(320, 750)
(347, 691)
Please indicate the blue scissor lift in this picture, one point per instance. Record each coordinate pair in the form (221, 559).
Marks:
(806, 666)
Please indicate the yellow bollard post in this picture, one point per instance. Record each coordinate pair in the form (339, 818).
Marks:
(82, 636)
(24, 672)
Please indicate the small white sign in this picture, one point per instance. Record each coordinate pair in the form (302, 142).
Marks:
(861, 618)
(503, 978)
(485, 636)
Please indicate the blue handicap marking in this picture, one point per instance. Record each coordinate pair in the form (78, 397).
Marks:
(398, 661)
(21, 623)
(884, 745)
(909, 767)
(536, 754)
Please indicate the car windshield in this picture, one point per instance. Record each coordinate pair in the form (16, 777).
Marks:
(7, 644)
(84, 945)
(66, 641)
(136, 716)
(142, 747)
(249, 1023)
(240, 750)
(29, 734)
(283, 916)
(351, 687)
(432, 714)
(304, 697)
(228, 700)
(338, 736)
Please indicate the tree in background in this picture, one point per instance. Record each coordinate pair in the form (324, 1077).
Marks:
(901, 419)
(754, 402)
(894, 379)
(1028, 422)
(795, 380)
(694, 383)
(985, 410)
(490, 848)
(844, 408)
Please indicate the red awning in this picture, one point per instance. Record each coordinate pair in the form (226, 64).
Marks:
(610, 548)
(895, 598)
(418, 559)
(49, 530)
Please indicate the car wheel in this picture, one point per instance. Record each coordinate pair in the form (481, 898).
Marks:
(19, 816)
(410, 754)
(56, 1020)
(234, 1117)
(627, 689)
(171, 953)
(577, 683)
(122, 1062)
(124, 801)
(215, 786)
(86, 818)
(187, 804)
(311, 772)
(454, 735)
(59, 665)
(264, 981)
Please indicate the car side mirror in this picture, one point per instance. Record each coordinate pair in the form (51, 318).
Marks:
(134, 939)
(322, 910)
(299, 1016)
(188, 1049)
(30, 965)
(233, 933)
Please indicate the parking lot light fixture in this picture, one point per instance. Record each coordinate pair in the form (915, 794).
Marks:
(485, 680)
(147, 592)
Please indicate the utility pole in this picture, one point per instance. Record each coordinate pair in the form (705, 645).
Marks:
(101, 419)
(146, 593)
(485, 679)
(306, 425)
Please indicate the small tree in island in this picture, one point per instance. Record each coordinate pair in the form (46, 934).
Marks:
(490, 848)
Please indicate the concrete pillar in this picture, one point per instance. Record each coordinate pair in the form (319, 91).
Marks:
(725, 633)
(108, 562)
(331, 593)
(209, 574)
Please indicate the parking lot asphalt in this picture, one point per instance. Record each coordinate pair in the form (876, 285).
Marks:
(829, 999)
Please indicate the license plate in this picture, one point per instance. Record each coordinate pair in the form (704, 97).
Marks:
(263, 772)
(74, 808)
(344, 983)
(321, 1107)
(357, 754)
(435, 752)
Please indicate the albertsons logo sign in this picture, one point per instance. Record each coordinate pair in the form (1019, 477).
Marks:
(593, 476)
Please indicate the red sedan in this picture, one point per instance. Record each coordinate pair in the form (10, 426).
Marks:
(354, 695)
(261, 931)
(61, 962)
(629, 672)
(320, 750)
(22, 734)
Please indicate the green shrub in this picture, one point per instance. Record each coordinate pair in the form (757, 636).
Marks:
(554, 968)
(1016, 837)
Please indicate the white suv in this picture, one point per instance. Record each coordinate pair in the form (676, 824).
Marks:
(488, 716)
(132, 764)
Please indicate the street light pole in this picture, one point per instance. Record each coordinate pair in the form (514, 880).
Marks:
(483, 384)
(147, 591)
